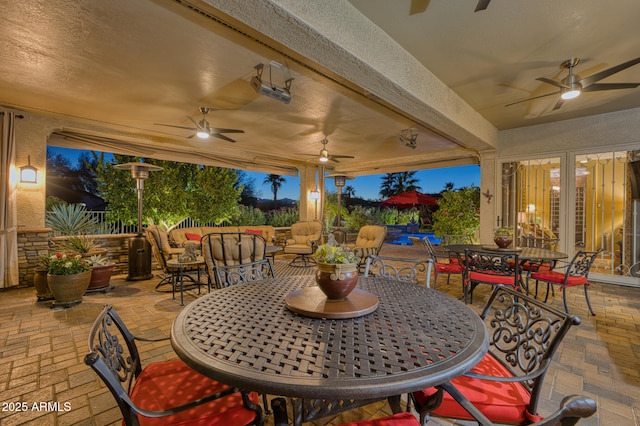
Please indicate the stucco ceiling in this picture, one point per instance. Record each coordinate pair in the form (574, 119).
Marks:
(112, 71)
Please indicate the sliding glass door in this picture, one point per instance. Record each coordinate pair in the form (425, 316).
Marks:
(586, 202)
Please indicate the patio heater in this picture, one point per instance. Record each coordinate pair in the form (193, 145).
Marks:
(139, 247)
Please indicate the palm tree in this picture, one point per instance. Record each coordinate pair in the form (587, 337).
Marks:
(448, 186)
(349, 191)
(276, 182)
(397, 183)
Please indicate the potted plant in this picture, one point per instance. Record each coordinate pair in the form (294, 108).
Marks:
(337, 271)
(68, 278)
(503, 237)
(40, 279)
(101, 270)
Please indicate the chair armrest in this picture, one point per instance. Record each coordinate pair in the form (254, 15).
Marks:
(521, 378)
(572, 409)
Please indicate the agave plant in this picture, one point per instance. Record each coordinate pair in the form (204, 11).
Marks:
(71, 219)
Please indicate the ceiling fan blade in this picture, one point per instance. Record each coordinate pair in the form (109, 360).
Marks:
(535, 97)
(588, 81)
(198, 127)
(217, 130)
(552, 82)
(223, 137)
(177, 127)
(191, 136)
(342, 156)
(609, 86)
(418, 6)
(482, 5)
(558, 104)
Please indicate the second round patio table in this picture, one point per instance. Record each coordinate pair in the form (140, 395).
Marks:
(245, 336)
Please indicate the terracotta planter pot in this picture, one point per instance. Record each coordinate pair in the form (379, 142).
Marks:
(41, 285)
(69, 289)
(100, 277)
(337, 281)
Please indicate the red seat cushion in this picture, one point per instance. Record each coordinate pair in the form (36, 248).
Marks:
(558, 278)
(400, 419)
(448, 268)
(192, 237)
(501, 402)
(254, 231)
(167, 384)
(492, 278)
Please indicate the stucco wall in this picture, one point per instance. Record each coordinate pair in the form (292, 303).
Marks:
(601, 131)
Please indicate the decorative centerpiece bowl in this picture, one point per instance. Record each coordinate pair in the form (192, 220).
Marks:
(337, 273)
(503, 237)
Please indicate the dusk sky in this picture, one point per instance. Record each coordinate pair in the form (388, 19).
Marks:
(367, 187)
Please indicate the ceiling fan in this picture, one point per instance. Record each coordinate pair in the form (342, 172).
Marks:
(325, 156)
(203, 129)
(572, 85)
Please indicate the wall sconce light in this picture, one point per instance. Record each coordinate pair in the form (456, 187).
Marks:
(315, 194)
(28, 173)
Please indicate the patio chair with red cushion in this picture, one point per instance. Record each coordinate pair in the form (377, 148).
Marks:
(451, 265)
(575, 273)
(505, 385)
(162, 393)
(490, 268)
(538, 264)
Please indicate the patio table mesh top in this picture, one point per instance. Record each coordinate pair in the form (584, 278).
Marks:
(246, 337)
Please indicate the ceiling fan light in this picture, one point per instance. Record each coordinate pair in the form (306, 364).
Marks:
(570, 94)
(324, 155)
(202, 134)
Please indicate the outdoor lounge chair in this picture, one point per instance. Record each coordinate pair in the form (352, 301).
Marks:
(369, 241)
(305, 237)
(235, 257)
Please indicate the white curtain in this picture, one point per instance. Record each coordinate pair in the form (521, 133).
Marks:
(8, 211)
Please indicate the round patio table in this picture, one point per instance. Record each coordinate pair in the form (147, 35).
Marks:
(245, 336)
(524, 253)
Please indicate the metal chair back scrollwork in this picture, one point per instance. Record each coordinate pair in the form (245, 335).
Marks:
(489, 268)
(157, 391)
(399, 269)
(505, 386)
(235, 257)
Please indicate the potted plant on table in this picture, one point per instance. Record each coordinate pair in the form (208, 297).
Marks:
(337, 271)
(68, 278)
(503, 237)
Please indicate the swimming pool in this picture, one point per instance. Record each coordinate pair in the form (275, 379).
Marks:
(403, 239)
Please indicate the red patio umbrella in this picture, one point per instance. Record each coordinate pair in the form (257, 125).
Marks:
(410, 198)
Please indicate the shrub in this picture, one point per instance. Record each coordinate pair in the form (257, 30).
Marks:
(248, 215)
(283, 217)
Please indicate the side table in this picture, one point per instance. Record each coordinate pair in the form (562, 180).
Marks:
(178, 270)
